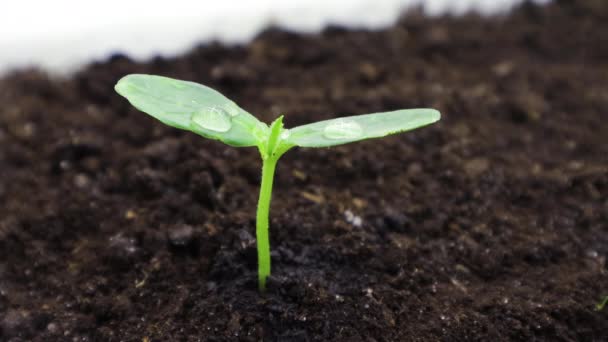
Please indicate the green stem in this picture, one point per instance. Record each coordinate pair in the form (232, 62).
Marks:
(261, 231)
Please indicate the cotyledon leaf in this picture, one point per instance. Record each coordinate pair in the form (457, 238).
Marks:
(360, 127)
(193, 107)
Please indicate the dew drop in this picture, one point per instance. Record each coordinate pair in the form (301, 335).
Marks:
(285, 134)
(232, 110)
(213, 118)
(343, 129)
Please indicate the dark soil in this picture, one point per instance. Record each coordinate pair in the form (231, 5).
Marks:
(490, 225)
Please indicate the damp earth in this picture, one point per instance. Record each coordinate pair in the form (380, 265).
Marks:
(490, 225)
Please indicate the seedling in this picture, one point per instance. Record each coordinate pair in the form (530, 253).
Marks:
(204, 111)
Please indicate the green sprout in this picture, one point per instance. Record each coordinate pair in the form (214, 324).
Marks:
(206, 112)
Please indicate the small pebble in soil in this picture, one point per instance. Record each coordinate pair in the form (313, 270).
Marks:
(81, 180)
(592, 254)
(64, 164)
(121, 250)
(130, 214)
(352, 218)
(52, 328)
(122, 244)
(180, 235)
(246, 240)
(182, 238)
(26, 131)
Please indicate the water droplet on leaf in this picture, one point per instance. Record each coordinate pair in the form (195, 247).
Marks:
(232, 110)
(213, 118)
(343, 129)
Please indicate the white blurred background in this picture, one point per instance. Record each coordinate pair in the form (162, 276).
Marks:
(61, 35)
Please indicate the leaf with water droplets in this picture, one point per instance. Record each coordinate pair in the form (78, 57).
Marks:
(360, 127)
(193, 107)
(212, 118)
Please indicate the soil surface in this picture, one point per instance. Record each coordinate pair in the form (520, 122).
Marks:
(490, 225)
